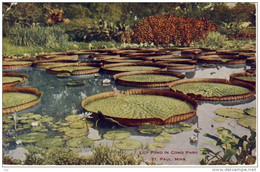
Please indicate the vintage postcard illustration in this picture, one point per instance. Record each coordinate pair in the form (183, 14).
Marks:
(136, 84)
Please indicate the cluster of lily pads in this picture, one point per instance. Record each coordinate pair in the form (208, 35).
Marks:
(244, 117)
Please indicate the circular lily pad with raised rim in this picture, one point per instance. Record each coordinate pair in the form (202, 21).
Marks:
(16, 64)
(147, 78)
(139, 106)
(19, 98)
(11, 79)
(244, 77)
(128, 144)
(213, 89)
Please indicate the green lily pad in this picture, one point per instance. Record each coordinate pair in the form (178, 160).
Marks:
(250, 111)
(78, 124)
(163, 138)
(153, 146)
(26, 126)
(174, 130)
(197, 129)
(31, 137)
(25, 115)
(64, 124)
(140, 106)
(133, 68)
(149, 78)
(64, 129)
(184, 124)
(230, 112)
(76, 132)
(248, 122)
(76, 83)
(150, 129)
(72, 118)
(46, 119)
(80, 142)
(72, 68)
(128, 144)
(186, 128)
(63, 75)
(39, 128)
(208, 89)
(26, 121)
(36, 117)
(9, 139)
(220, 120)
(50, 142)
(12, 99)
(117, 135)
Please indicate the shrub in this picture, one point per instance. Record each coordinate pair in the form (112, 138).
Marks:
(166, 29)
(214, 40)
(35, 35)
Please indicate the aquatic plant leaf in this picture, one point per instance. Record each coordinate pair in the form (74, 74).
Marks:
(72, 68)
(140, 106)
(117, 135)
(208, 89)
(76, 83)
(174, 130)
(230, 112)
(247, 78)
(250, 111)
(64, 129)
(11, 99)
(220, 120)
(184, 124)
(50, 142)
(36, 117)
(153, 146)
(39, 128)
(63, 75)
(163, 138)
(248, 122)
(149, 78)
(78, 124)
(80, 142)
(186, 128)
(76, 132)
(10, 79)
(133, 68)
(128, 144)
(31, 137)
(228, 154)
(150, 129)
(72, 118)
(46, 119)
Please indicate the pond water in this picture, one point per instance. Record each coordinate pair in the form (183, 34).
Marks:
(59, 101)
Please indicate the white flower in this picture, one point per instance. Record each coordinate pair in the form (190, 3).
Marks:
(193, 139)
(35, 123)
(18, 142)
(106, 81)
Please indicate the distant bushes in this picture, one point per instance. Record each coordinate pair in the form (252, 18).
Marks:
(34, 35)
(166, 29)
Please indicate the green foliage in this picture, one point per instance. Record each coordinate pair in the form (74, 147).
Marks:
(241, 148)
(103, 155)
(35, 35)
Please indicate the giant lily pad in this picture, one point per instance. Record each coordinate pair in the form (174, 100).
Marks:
(149, 78)
(117, 135)
(50, 142)
(76, 83)
(148, 106)
(250, 111)
(7, 79)
(248, 122)
(31, 137)
(213, 89)
(72, 118)
(11, 99)
(76, 132)
(163, 138)
(150, 129)
(80, 142)
(72, 68)
(230, 112)
(133, 68)
(128, 144)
